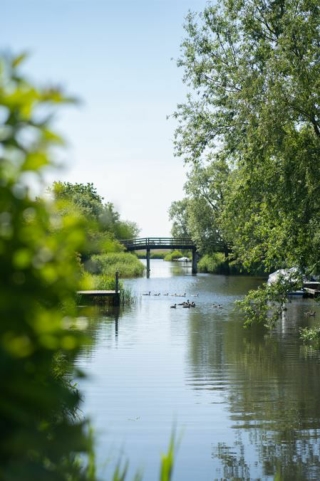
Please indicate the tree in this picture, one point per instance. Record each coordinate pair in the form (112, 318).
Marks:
(179, 216)
(198, 214)
(205, 189)
(104, 226)
(253, 67)
(42, 436)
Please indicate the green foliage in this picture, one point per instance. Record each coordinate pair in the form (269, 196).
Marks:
(253, 69)
(211, 263)
(104, 226)
(41, 434)
(311, 335)
(127, 265)
(216, 264)
(266, 304)
(174, 255)
(249, 131)
(179, 216)
(156, 254)
(198, 214)
(103, 282)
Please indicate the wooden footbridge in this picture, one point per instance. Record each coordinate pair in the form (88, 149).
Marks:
(149, 243)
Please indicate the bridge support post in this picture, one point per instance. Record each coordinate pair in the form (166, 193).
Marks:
(148, 263)
(194, 261)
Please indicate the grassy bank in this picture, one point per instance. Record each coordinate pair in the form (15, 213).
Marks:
(127, 265)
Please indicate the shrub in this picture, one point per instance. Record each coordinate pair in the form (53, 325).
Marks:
(173, 255)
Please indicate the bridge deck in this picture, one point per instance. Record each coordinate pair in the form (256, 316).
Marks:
(158, 243)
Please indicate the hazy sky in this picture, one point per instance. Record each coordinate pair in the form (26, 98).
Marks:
(119, 58)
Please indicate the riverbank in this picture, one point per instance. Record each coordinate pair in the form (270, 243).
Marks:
(217, 264)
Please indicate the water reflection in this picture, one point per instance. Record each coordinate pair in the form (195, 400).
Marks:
(272, 389)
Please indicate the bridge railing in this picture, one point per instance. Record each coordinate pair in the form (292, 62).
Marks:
(158, 241)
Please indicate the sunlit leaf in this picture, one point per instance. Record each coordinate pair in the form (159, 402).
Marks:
(35, 161)
(16, 61)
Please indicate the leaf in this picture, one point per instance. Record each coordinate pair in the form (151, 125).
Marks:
(16, 61)
(35, 161)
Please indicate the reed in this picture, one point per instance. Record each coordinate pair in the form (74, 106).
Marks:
(127, 265)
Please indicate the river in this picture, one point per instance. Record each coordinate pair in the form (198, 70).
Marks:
(242, 404)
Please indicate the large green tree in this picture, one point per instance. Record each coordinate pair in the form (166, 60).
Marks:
(253, 71)
(199, 213)
(178, 214)
(105, 228)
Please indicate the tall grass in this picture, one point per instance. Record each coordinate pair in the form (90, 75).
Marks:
(127, 265)
(103, 282)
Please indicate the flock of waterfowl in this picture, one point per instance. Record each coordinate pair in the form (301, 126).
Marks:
(184, 304)
(167, 294)
(188, 304)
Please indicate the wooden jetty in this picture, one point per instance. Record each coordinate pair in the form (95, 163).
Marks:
(115, 295)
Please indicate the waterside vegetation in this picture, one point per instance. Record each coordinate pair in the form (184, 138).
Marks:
(103, 254)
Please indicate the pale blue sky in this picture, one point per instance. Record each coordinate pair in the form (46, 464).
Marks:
(116, 56)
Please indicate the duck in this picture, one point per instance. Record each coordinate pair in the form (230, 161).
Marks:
(174, 306)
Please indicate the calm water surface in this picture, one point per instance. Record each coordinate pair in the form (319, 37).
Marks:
(244, 404)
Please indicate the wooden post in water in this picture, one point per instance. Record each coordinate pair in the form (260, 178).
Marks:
(148, 262)
(116, 299)
(194, 261)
